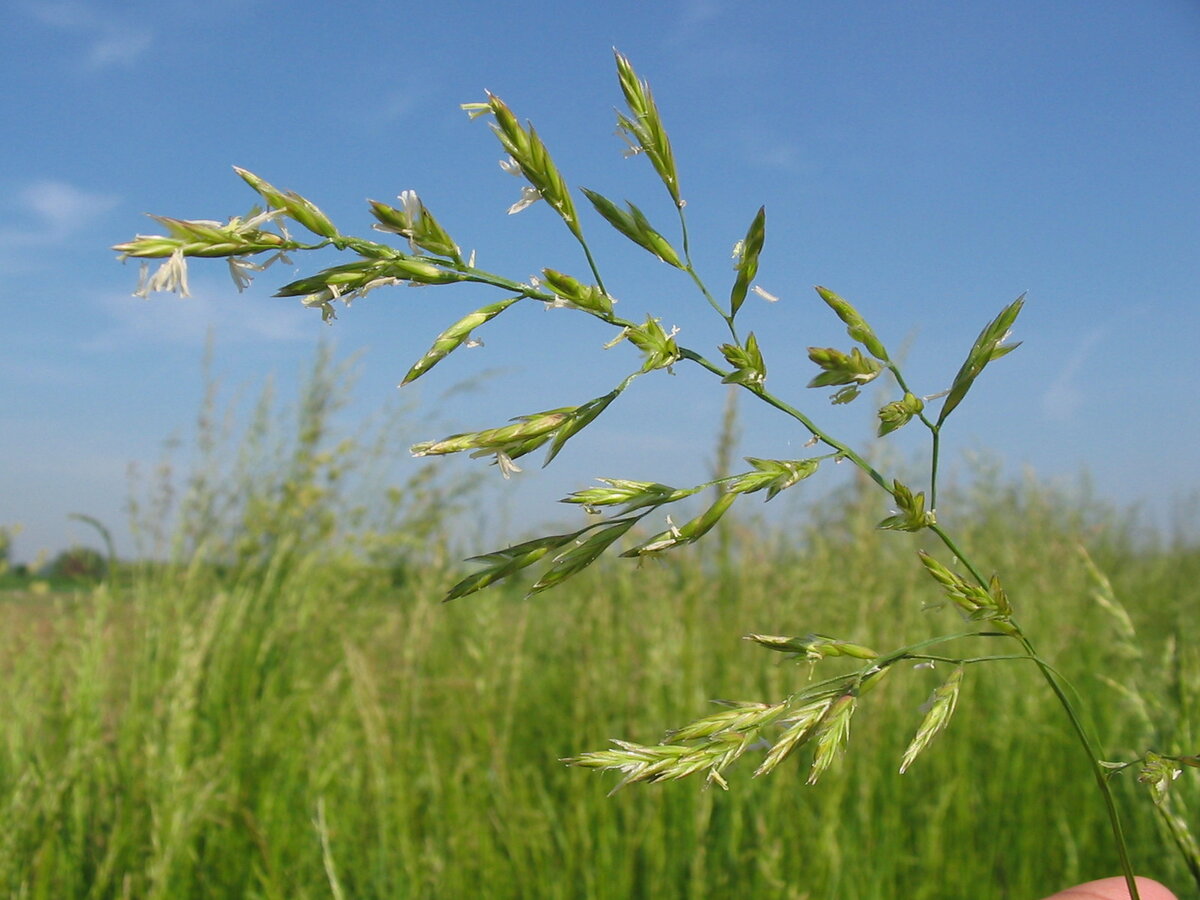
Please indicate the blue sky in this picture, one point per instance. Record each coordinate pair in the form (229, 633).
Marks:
(928, 160)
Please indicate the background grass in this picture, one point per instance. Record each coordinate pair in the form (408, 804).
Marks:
(288, 711)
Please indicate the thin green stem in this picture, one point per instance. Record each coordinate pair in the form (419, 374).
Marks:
(895, 370)
(934, 430)
(819, 434)
(962, 557)
(590, 260)
(1093, 760)
(364, 248)
(691, 270)
(813, 429)
(934, 450)
(1093, 755)
(712, 301)
(1089, 747)
(967, 660)
(683, 229)
(1101, 776)
(909, 652)
(480, 276)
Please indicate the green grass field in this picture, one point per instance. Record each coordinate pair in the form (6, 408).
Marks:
(308, 730)
(288, 711)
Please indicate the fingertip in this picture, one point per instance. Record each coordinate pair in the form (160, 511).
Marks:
(1115, 889)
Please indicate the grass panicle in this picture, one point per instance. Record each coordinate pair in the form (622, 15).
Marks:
(998, 623)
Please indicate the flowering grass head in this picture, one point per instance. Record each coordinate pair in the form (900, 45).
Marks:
(636, 519)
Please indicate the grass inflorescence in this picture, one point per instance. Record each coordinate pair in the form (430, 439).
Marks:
(1003, 624)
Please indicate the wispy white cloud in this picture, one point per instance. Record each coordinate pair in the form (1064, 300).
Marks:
(1064, 397)
(65, 14)
(216, 308)
(25, 371)
(377, 115)
(107, 41)
(700, 12)
(694, 15)
(118, 47)
(40, 216)
(396, 105)
(763, 146)
(60, 208)
(767, 153)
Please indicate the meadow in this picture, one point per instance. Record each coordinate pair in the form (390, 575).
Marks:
(281, 707)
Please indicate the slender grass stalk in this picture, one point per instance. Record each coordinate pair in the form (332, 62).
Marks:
(1093, 755)
(815, 717)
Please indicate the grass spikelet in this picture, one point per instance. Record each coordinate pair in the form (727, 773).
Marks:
(939, 709)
